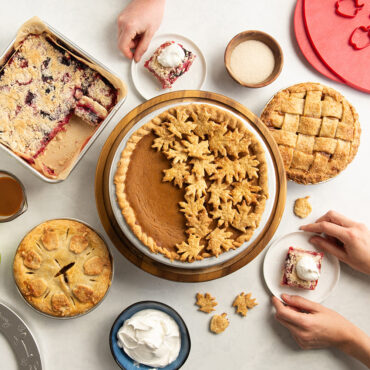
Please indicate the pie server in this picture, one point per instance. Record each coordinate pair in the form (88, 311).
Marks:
(20, 339)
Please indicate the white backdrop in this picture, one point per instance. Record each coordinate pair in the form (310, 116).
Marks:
(257, 341)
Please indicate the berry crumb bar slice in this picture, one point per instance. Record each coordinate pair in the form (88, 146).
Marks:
(290, 275)
(168, 68)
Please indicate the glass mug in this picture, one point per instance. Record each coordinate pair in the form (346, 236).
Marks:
(13, 201)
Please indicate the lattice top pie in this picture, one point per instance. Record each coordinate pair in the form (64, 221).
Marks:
(317, 131)
(192, 182)
(62, 268)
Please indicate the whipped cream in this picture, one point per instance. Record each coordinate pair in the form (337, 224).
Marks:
(150, 337)
(307, 269)
(171, 56)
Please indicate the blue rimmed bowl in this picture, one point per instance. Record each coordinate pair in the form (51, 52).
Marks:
(127, 363)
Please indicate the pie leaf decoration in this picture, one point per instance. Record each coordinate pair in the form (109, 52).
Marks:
(177, 153)
(219, 238)
(199, 225)
(244, 219)
(178, 172)
(237, 143)
(243, 302)
(195, 148)
(245, 190)
(201, 166)
(189, 251)
(180, 125)
(219, 323)
(218, 142)
(204, 125)
(192, 206)
(197, 187)
(248, 166)
(225, 213)
(206, 302)
(165, 140)
(227, 170)
(219, 192)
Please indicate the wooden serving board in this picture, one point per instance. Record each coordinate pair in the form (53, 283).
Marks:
(113, 229)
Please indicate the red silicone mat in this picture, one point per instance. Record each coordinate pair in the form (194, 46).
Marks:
(330, 34)
(304, 44)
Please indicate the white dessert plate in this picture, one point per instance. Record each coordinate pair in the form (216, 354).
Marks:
(274, 261)
(207, 262)
(149, 87)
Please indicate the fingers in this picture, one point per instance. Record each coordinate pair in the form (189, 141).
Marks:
(328, 228)
(286, 313)
(300, 302)
(328, 246)
(143, 45)
(337, 218)
(125, 43)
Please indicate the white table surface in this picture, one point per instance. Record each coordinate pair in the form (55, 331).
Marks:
(255, 342)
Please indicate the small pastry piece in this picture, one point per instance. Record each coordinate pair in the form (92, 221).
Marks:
(302, 268)
(206, 302)
(219, 323)
(244, 301)
(302, 207)
(170, 61)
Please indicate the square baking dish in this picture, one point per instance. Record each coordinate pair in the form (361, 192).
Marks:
(87, 134)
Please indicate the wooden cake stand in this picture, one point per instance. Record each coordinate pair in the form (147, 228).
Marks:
(119, 238)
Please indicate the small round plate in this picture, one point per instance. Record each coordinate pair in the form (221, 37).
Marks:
(274, 261)
(146, 83)
(127, 363)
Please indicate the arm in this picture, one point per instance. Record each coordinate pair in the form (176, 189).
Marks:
(348, 240)
(320, 327)
(137, 25)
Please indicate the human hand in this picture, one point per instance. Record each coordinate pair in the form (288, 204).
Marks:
(316, 327)
(348, 240)
(137, 24)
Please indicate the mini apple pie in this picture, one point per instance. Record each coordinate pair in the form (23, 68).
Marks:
(63, 268)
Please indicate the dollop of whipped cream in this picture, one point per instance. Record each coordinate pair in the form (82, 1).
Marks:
(150, 337)
(307, 269)
(171, 56)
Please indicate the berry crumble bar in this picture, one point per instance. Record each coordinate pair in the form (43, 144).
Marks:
(167, 74)
(290, 275)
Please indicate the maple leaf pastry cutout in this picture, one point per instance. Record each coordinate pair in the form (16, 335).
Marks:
(244, 219)
(165, 140)
(178, 172)
(218, 192)
(190, 250)
(243, 302)
(181, 124)
(197, 186)
(192, 206)
(225, 214)
(199, 225)
(245, 190)
(237, 143)
(201, 166)
(177, 153)
(218, 239)
(194, 148)
(206, 302)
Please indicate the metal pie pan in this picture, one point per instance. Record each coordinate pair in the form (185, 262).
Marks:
(92, 308)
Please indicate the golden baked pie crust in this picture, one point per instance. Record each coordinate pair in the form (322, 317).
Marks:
(219, 117)
(41, 257)
(317, 131)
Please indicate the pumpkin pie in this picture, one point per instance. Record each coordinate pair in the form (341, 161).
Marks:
(63, 268)
(317, 131)
(192, 182)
